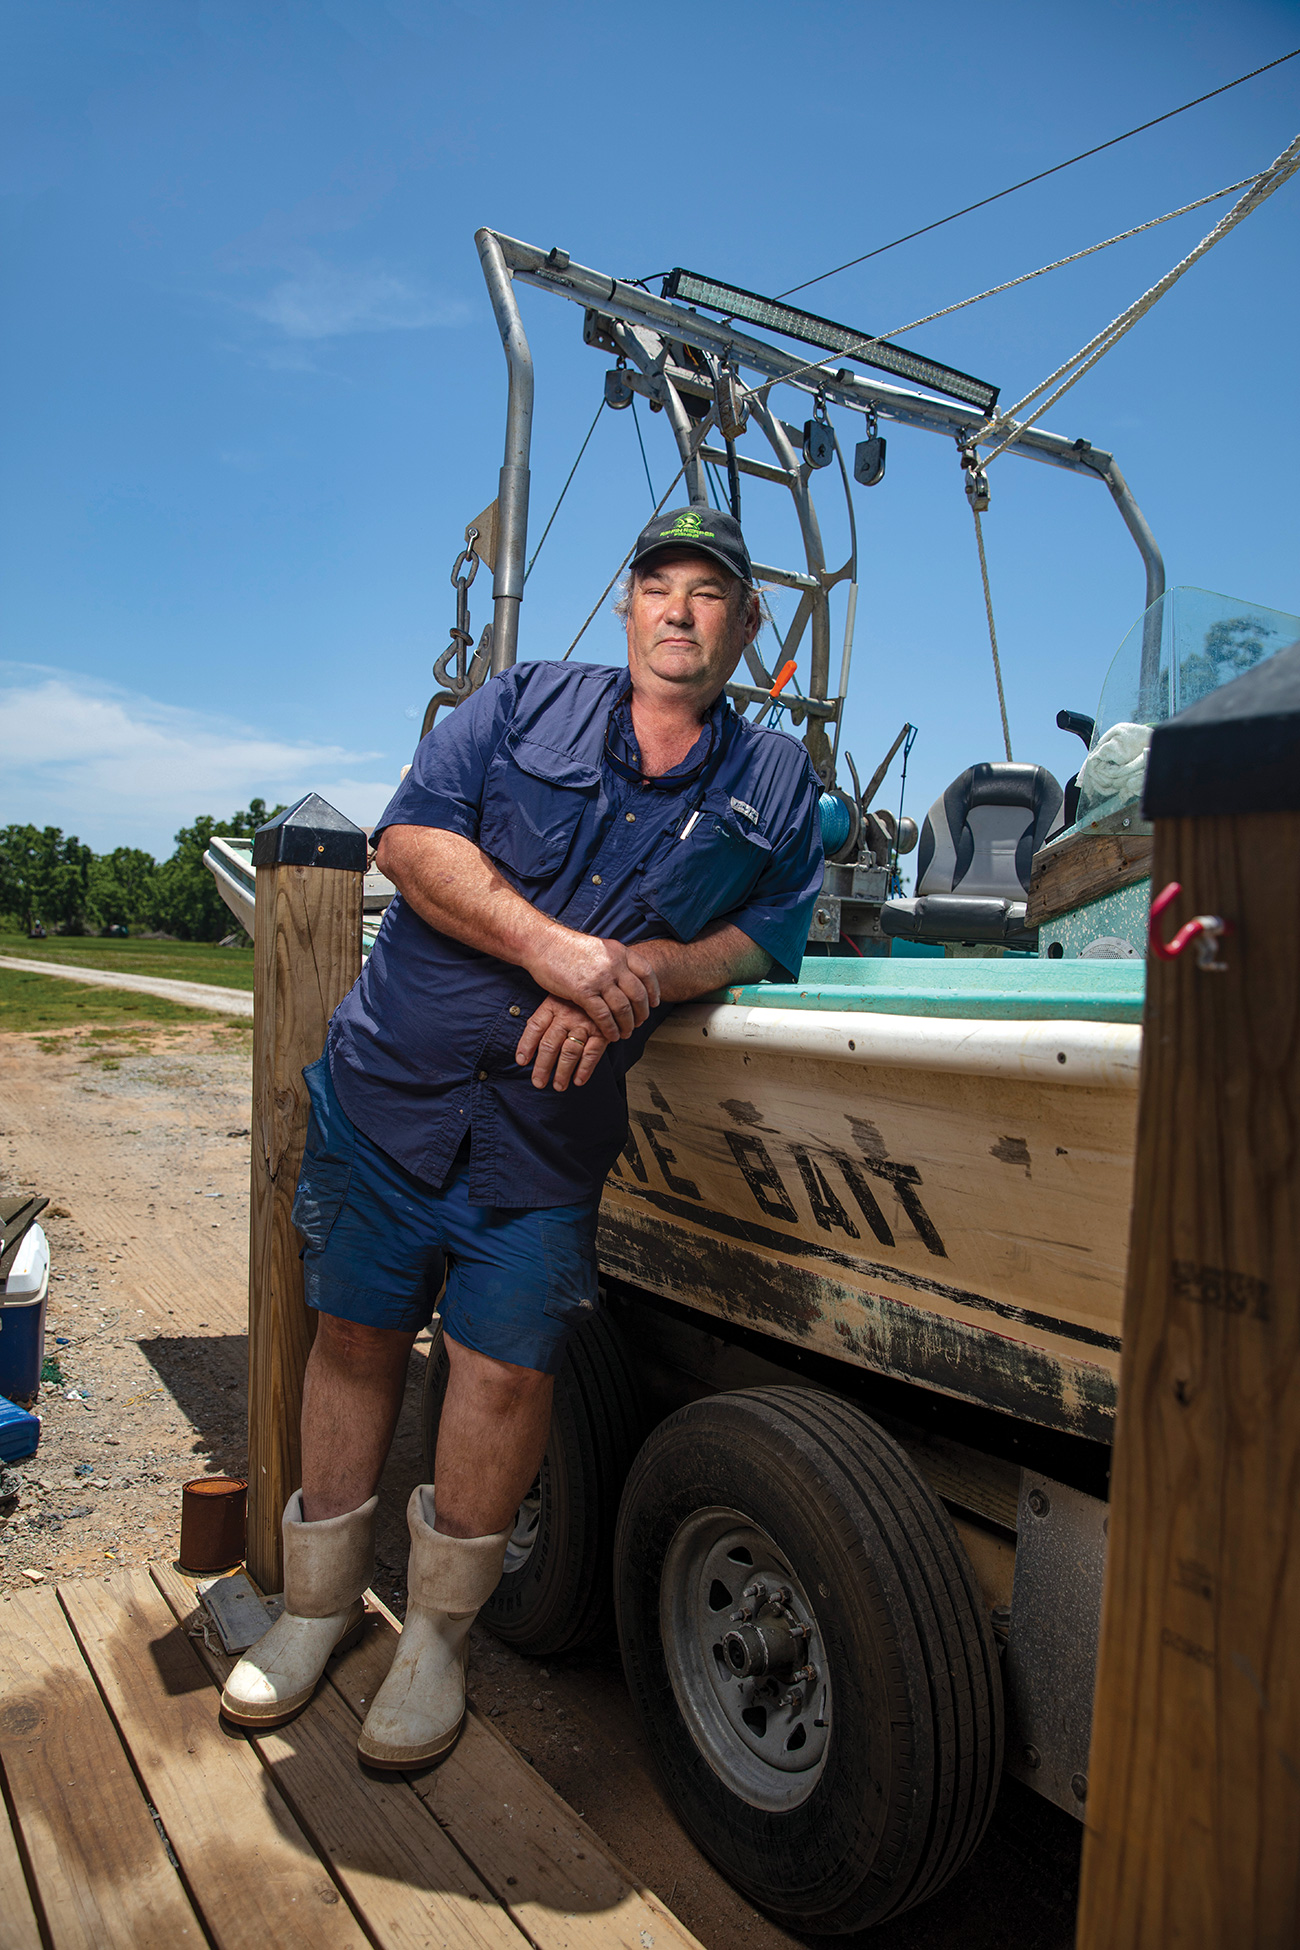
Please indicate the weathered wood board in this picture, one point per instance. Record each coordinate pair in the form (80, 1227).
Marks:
(1193, 1813)
(307, 954)
(1083, 868)
(91, 1846)
(965, 1232)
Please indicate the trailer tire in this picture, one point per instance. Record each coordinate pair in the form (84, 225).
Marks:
(556, 1592)
(868, 1798)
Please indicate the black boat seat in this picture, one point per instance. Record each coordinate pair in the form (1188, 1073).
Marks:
(973, 861)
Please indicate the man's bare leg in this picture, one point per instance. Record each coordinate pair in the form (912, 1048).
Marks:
(495, 1421)
(352, 1392)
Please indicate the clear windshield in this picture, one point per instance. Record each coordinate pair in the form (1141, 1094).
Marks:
(1187, 644)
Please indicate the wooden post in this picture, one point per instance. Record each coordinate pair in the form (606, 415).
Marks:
(307, 954)
(1193, 1812)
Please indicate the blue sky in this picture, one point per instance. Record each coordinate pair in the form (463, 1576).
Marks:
(254, 391)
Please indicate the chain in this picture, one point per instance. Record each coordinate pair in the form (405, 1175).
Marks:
(467, 676)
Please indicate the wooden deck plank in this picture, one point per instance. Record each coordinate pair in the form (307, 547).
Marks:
(20, 1927)
(399, 1869)
(99, 1864)
(566, 1890)
(250, 1869)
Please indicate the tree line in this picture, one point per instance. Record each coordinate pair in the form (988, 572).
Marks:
(52, 879)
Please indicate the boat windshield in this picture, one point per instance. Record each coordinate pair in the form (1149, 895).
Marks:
(1188, 643)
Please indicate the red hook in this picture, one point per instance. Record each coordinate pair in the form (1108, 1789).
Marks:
(1206, 930)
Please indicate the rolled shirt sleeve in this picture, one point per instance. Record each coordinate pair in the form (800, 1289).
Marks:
(444, 787)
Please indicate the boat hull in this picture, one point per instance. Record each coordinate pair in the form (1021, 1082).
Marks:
(964, 1228)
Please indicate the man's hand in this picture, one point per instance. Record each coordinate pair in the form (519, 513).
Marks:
(611, 986)
(559, 1038)
(454, 886)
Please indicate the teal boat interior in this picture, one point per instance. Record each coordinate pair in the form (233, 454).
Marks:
(1003, 988)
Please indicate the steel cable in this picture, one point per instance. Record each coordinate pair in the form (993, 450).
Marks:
(899, 331)
(697, 441)
(563, 491)
(1041, 176)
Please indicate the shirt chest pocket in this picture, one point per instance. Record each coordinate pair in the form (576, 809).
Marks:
(533, 802)
(710, 872)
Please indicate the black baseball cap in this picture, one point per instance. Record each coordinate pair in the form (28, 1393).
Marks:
(707, 530)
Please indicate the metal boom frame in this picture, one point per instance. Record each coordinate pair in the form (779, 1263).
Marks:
(644, 332)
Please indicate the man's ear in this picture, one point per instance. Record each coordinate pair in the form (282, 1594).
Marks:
(753, 620)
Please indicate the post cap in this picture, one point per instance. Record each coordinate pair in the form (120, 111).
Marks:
(1235, 751)
(310, 834)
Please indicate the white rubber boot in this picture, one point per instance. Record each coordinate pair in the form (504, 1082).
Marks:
(417, 1712)
(327, 1566)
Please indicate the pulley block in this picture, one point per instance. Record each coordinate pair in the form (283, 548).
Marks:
(618, 389)
(869, 461)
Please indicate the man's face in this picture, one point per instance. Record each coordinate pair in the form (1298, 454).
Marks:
(687, 625)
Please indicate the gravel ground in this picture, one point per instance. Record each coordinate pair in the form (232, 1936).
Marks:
(140, 1139)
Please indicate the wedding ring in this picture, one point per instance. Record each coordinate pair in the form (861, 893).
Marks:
(574, 1037)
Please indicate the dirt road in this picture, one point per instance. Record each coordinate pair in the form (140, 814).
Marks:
(141, 1143)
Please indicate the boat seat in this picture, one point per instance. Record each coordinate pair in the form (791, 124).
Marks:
(974, 858)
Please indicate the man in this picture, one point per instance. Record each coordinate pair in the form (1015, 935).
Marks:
(575, 850)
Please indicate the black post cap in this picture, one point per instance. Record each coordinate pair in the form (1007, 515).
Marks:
(1235, 751)
(310, 834)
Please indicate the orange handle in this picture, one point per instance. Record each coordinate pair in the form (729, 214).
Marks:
(783, 677)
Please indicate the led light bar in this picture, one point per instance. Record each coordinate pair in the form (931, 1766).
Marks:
(792, 323)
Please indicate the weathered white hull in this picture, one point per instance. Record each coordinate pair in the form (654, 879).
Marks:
(960, 1222)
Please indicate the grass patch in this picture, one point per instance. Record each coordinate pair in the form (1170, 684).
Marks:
(42, 1003)
(178, 961)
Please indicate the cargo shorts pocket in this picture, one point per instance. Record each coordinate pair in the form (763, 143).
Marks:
(568, 1242)
(326, 1172)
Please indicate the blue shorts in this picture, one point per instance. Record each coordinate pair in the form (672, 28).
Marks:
(379, 1243)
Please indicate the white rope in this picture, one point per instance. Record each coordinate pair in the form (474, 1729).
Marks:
(1007, 427)
(1026, 277)
(993, 634)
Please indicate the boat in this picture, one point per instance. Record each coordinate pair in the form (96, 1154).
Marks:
(847, 1412)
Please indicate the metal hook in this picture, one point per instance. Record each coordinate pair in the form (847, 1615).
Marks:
(1206, 930)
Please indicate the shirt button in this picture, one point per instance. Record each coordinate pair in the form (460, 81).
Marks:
(514, 1008)
(630, 818)
(482, 1076)
(595, 880)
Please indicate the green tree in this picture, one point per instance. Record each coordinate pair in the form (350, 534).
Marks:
(121, 887)
(44, 877)
(184, 899)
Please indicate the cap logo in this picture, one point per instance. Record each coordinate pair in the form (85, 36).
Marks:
(689, 526)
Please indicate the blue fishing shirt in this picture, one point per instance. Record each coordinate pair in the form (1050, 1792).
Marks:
(541, 769)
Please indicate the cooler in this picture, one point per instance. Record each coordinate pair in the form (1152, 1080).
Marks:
(22, 1318)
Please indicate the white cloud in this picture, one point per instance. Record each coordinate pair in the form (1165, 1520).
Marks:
(121, 769)
(319, 300)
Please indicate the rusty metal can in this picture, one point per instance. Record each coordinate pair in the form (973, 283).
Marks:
(214, 1515)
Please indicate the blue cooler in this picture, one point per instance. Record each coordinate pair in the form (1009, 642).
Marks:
(22, 1318)
(19, 1433)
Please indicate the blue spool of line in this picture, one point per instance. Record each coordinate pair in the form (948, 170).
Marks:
(836, 820)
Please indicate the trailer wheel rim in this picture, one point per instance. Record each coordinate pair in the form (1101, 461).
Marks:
(524, 1535)
(766, 1739)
